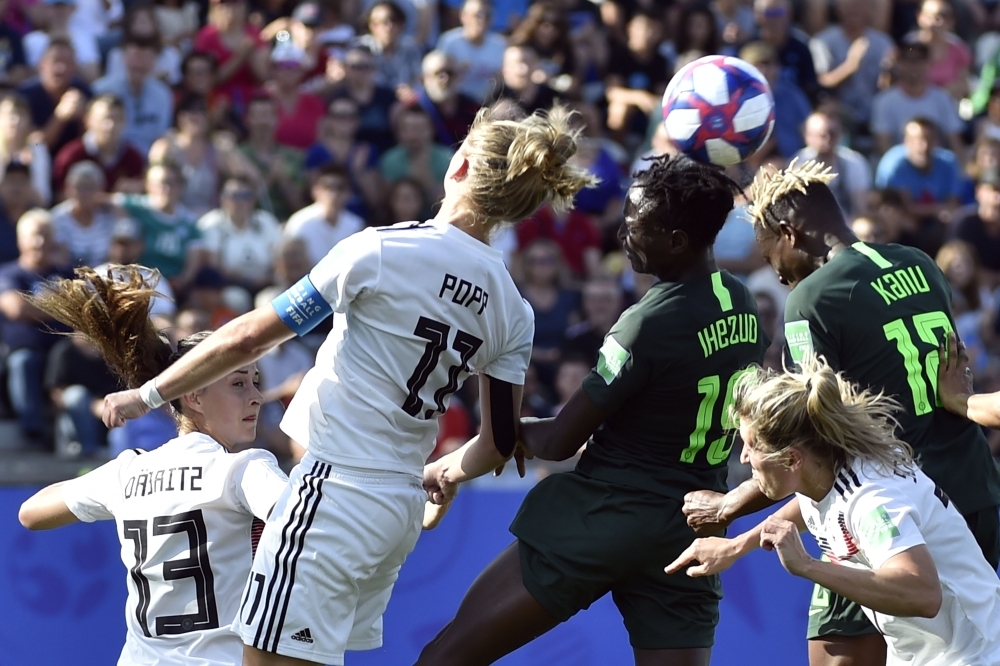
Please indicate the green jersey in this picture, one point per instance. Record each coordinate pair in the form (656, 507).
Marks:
(878, 313)
(166, 238)
(666, 373)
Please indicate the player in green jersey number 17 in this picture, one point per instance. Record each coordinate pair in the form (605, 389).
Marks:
(876, 313)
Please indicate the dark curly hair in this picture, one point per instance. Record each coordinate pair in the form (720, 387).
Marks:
(680, 193)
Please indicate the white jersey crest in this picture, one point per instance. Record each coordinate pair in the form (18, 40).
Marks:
(417, 308)
(185, 512)
(869, 517)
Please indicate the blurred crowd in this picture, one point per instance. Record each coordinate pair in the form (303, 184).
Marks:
(230, 144)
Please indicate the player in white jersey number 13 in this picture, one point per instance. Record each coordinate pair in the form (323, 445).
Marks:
(186, 511)
(417, 308)
(896, 545)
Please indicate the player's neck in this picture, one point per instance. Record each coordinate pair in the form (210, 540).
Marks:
(817, 480)
(698, 266)
(454, 213)
(836, 240)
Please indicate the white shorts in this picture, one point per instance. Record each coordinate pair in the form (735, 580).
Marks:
(327, 561)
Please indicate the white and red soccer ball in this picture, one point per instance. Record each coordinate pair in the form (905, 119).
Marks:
(718, 109)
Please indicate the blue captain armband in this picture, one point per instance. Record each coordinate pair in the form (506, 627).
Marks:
(302, 307)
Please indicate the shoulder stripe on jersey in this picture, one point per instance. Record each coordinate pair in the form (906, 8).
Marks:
(848, 488)
(839, 489)
(721, 292)
(292, 541)
(138, 452)
(415, 225)
(872, 254)
(854, 477)
(306, 492)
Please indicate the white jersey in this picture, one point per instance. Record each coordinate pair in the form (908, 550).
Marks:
(185, 512)
(869, 517)
(417, 308)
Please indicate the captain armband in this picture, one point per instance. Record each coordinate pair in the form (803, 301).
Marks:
(302, 307)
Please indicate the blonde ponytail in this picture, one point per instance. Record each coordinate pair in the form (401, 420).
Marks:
(818, 410)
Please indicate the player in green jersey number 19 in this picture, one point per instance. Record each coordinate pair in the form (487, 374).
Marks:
(876, 313)
(654, 415)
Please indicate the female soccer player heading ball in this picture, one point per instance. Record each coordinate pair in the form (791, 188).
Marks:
(418, 307)
(185, 511)
(899, 547)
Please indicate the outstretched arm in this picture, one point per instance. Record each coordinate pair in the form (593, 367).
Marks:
(561, 437)
(955, 386)
(46, 509)
(709, 512)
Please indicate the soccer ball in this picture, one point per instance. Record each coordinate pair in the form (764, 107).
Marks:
(718, 109)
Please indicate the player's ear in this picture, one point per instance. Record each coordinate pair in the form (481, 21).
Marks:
(678, 241)
(461, 168)
(193, 402)
(789, 233)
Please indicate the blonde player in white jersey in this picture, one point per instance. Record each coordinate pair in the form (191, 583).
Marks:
(186, 512)
(893, 542)
(417, 308)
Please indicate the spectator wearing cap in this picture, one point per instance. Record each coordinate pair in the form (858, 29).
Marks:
(981, 227)
(852, 182)
(241, 236)
(82, 222)
(930, 175)
(416, 156)
(280, 168)
(123, 166)
(914, 96)
(774, 26)
(376, 104)
(58, 14)
(149, 105)
(298, 112)
(58, 96)
(398, 55)
(240, 54)
(848, 57)
(326, 222)
(478, 50)
(13, 66)
(27, 332)
(451, 112)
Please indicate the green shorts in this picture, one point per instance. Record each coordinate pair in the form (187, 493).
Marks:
(580, 538)
(832, 615)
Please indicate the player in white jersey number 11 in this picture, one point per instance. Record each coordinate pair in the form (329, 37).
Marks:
(186, 511)
(893, 541)
(417, 308)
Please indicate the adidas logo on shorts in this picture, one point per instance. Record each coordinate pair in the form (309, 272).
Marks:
(304, 636)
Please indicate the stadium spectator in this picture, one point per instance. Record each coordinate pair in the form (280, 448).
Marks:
(376, 103)
(178, 21)
(853, 183)
(148, 102)
(603, 202)
(278, 168)
(734, 24)
(140, 23)
(602, 303)
(327, 221)
(637, 75)
(171, 240)
(416, 155)
(421, 24)
(950, 58)
(58, 96)
(451, 111)
(791, 106)
(20, 143)
(16, 193)
(981, 228)
(849, 57)
(298, 112)
(338, 144)
(397, 53)
(27, 333)
(59, 26)
(574, 232)
(126, 247)
(241, 237)
(406, 201)
(240, 55)
(83, 223)
(478, 50)
(13, 67)
(697, 33)
(102, 143)
(546, 29)
(77, 379)
(912, 96)
(774, 26)
(929, 175)
(735, 248)
(206, 293)
(523, 82)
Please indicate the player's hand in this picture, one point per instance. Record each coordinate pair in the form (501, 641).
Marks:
(520, 455)
(954, 375)
(71, 105)
(783, 536)
(439, 489)
(122, 406)
(713, 555)
(703, 509)
(433, 513)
